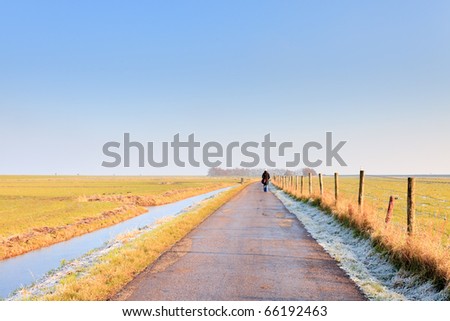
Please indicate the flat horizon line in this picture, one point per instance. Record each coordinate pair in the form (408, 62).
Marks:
(205, 175)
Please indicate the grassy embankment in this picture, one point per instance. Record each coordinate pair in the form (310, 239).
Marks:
(426, 252)
(37, 211)
(103, 280)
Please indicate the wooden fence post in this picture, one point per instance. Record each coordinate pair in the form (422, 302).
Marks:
(242, 180)
(411, 205)
(321, 184)
(390, 209)
(310, 183)
(301, 184)
(361, 190)
(336, 187)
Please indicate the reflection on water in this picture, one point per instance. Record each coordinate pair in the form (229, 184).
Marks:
(27, 268)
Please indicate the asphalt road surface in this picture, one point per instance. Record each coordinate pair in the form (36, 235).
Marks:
(252, 248)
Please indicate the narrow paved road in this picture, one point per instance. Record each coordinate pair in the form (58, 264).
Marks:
(252, 248)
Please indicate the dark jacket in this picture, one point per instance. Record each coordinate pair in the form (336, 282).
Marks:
(265, 178)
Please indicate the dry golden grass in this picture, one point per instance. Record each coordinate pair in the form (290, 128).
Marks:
(432, 200)
(120, 266)
(38, 211)
(422, 253)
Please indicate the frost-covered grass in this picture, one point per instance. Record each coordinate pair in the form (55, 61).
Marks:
(372, 271)
(71, 270)
(423, 253)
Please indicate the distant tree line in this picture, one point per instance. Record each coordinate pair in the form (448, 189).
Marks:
(256, 172)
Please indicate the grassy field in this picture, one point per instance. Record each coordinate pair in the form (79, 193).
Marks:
(37, 211)
(432, 201)
(426, 251)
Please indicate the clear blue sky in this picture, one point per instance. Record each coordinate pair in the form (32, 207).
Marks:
(76, 74)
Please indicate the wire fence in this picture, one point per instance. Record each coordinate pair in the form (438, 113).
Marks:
(431, 197)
